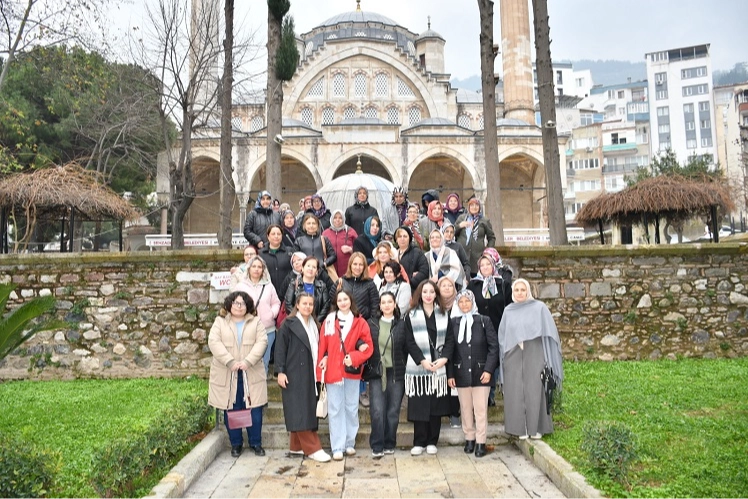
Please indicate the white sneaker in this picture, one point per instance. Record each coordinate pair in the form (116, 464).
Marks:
(431, 449)
(350, 451)
(338, 456)
(537, 436)
(320, 456)
(416, 450)
(389, 451)
(523, 437)
(295, 453)
(377, 455)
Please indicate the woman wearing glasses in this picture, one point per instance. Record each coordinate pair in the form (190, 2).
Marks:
(237, 375)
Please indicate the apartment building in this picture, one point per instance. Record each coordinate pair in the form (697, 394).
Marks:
(626, 100)
(731, 131)
(566, 81)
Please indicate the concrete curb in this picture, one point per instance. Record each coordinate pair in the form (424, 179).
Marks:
(561, 473)
(191, 467)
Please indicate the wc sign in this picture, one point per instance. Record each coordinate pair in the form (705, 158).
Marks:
(220, 280)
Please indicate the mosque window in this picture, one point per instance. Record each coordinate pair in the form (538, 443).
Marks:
(414, 115)
(388, 37)
(349, 113)
(256, 123)
(360, 34)
(338, 85)
(328, 116)
(332, 37)
(371, 112)
(359, 85)
(307, 116)
(236, 123)
(480, 122)
(317, 89)
(411, 48)
(393, 116)
(403, 89)
(464, 121)
(309, 49)
(381, 85)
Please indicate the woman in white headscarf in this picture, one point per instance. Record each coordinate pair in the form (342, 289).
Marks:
(443, 262)
(474, 359)
(528, 343)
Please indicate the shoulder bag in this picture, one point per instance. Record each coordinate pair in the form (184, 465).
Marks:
(349, 369)
(330, 268)
(322, 401)
(374, 370)
(240, 418)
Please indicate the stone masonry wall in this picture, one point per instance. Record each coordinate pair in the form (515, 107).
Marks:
(149, 314)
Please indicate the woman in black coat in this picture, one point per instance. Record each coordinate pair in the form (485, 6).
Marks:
(361, 287)
(470, 370)
(277, 258)
(308, 282)
(411, 257)
(296, 359)
(369, 239)
(311, 242)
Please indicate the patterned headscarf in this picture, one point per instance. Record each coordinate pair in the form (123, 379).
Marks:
(322, 210)
(489, 283)
(471, 228)
(466, 320)
(430, 213)
(291, 230)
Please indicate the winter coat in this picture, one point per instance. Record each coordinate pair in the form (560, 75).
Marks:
(312, 246)
(324, 220)
(293, 357)
(462, 255)
(365, 296)
(256, 226)
(363, 244)
(484, 238)
(288, 241)
(322, 297)
(402, 294)
(453, 216)
(329, 344)
(425, 226)
(413, 260)
(223, 343)
(266, 301)
(339, 238)
(470, 360)
(395, 348)
(356, 215)
(279, 266)
(492, 307)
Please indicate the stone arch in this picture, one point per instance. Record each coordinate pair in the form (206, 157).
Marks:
(291, 153)
(442, 169)
(298, 87)
(366, 151)
(522, 189)
(475, 179)
(298, 180)
(203, 213)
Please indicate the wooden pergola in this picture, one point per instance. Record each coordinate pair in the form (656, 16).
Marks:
(67, 194)
(673, 198)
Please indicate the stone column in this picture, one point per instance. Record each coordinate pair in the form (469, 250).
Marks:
(516, 51)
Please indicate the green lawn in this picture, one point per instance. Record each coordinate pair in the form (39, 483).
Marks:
(78, 418)
(690, 418)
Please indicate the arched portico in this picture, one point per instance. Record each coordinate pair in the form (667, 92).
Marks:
(372, 161)
(297, 181)
(523, 191)
(203, 214)
(442, 172)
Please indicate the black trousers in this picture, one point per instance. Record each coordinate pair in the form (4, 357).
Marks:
(427, 432)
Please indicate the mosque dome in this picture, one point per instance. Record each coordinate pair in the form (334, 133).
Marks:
(358, 16)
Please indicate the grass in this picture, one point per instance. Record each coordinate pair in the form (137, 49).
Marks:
(78, 418)
(690, 418)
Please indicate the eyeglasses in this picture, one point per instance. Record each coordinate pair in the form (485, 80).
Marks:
(239, 303)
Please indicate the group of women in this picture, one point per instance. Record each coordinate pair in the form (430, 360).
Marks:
(414, 319)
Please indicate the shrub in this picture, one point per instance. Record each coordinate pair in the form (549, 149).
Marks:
(25, 469)
(611, 448)
(119, 468)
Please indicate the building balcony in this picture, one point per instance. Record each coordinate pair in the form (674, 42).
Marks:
(620, 147)
(619, 168)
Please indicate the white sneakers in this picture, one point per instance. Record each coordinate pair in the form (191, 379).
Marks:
(338, 456)
(320, 456)
(523, 437)
(377, 455)
(416, 451)
(294, 453)
(431, 449)
(350, 451)
(537, 436)
(389, 451)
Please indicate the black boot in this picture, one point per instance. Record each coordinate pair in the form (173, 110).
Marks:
(469, 446)
(236, 451)
(480, 450)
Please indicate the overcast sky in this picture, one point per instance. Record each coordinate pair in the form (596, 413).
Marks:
(580, 29)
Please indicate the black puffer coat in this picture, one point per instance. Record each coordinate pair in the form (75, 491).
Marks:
(492, 307)
(256, 226)
(312, 246)
(279, 266)
(470, 360)
(356, 215)
(365, 296)
(322, 297)
(396, 349)
(413, 260)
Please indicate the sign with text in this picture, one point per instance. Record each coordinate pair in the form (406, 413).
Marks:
(192, 240)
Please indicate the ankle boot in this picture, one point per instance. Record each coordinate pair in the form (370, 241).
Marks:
(469, 446)
(480, 450)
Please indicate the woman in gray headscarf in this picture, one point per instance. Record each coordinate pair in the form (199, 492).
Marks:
(528, 342)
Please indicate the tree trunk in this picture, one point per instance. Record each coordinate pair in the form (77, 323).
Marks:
(226, 182)
(182, 182)
(274, 99)
(13, 48)
(490, 145)
(546, 95)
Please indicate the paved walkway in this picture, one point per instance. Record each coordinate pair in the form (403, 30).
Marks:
(504, 472)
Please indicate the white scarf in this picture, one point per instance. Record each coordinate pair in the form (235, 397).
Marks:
(313, 334)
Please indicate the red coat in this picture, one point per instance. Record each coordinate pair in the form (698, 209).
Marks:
(329, 344)
(338, 240)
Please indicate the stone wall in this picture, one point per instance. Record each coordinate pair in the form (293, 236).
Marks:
(148, 314)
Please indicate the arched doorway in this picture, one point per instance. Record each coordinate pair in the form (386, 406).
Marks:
(368, 165)
(523, 191)
(443, 173)
(296, 182)
(203, 214)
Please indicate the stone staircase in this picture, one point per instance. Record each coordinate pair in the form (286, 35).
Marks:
(275, 436)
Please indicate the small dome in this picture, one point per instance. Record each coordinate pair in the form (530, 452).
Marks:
(430, 33)
(358, 16)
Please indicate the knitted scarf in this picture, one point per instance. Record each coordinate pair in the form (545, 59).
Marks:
(419, 381)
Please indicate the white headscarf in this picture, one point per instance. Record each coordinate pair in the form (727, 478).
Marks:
(466, 320)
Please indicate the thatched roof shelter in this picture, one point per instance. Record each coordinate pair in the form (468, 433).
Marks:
(670, 197)
(59, 192)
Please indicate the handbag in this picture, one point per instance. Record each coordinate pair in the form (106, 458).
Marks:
(349, 369)
(329, 268)
(374, 370)
(322, 401)
(282, 314)
(240, 418)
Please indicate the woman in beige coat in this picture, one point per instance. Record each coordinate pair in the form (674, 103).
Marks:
(237, 375)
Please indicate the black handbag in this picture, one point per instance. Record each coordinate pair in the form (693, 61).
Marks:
(375, 370)
(349, 369)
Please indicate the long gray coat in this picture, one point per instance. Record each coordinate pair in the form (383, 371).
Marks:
(293, 357)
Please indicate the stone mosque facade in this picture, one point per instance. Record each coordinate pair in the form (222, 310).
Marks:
(369, 88)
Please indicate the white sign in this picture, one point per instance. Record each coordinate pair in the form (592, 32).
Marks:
(193, 240)
(529, 236)
(220, 280)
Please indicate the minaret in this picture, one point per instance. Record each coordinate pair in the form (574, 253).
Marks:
(206, 21)
(516, 49)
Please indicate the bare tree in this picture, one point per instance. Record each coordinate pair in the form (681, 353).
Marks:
(490, 144)
(546, 95)
(226, 182)
(274, 96)
(29, 23)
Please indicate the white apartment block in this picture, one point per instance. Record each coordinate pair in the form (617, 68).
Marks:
(628, 101)
(566, 81)
(681, 105)
(731, 110)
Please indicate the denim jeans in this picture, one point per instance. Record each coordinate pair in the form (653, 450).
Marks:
(254, 432)
(342, 413)
(384, 409)
(266, 356)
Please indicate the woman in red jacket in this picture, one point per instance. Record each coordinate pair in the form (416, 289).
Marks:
(344, 343)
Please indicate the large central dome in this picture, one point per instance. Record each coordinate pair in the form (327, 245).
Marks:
(358, 16)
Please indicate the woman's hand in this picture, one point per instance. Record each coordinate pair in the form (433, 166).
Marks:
(434, 278)
(241, 365)
(451, 382)
(260, 245)
(323, 363)
(439, 363)
(363, 347)
(427, 365)
(346, 249)
(347, 360)
(485, 377)
(282, 380)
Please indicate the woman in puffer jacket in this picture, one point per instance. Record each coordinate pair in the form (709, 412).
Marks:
(258, 220)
